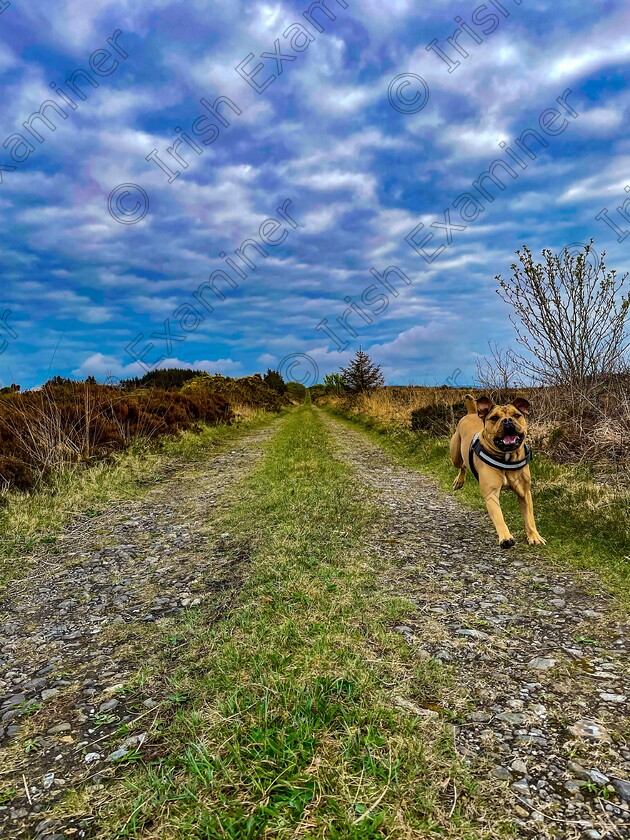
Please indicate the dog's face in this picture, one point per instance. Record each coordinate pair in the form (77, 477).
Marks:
(505, 426)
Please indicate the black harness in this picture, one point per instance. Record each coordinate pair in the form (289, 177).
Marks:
(477, 449)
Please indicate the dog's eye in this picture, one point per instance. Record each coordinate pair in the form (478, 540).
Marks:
(517, 416)
(494, 417)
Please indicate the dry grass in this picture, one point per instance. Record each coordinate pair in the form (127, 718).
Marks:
(245, 413)
(395, 405)
(591, 429)
(43, 433)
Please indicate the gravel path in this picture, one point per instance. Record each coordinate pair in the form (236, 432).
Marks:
(537, 660)
(74, 632)
(539, 664)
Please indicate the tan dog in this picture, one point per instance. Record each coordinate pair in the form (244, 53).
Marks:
(500, 459)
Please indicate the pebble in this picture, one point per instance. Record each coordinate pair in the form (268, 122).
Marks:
(613, 698)
(118, 754)
(598, 778)
(13, 701)
(479, 717)
(589, 729)
(519, 767)
(520, 786)
(59, 729)
(623, 789)
(573, 785)
(512, 717)
(577, 770)
(474, 634)
(540, 663)
(49, 693)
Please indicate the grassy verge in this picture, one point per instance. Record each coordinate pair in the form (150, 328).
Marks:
(585, 525)
(288, 718)
(28, 519)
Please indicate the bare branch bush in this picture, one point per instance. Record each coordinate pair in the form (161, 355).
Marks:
(571, 317)
(498, 373)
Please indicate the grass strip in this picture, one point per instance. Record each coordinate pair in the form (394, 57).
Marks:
(302, 714)
(586, 525)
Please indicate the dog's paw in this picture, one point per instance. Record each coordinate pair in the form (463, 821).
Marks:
(458, 484)
(536, 539)
(507, 543)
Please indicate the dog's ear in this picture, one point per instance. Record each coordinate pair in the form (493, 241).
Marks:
(484, 405)
(522, 405)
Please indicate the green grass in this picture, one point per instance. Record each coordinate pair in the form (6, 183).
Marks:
(28, 519)
(282, 720)
(587, 526)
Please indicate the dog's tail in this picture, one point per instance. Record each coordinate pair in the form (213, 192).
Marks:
(471, 404)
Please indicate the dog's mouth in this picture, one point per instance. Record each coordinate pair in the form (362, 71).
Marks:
(509, 441)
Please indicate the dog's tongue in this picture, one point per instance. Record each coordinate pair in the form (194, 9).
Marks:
(510, 439)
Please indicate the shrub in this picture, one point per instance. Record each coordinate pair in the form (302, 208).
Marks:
(250, 391)
(275, 381)
(296, 391)
(439, 419)
(169, 379)
(67, 423)
(333, 383)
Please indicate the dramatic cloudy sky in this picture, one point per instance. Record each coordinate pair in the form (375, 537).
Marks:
(360, 174)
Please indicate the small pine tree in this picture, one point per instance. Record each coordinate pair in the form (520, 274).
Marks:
(275, 381)
(362, 374)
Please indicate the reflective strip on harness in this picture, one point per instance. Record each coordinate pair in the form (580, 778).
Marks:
(477, 449)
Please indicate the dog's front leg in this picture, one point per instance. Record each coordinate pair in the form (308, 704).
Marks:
(491, 494)
(526, 507)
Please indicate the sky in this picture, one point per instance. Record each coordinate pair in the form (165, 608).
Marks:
(336, 152)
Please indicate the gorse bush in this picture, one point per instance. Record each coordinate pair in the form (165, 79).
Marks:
(296, 391)
(275, 381)
(68, 423)
(46, 431)
(168, 379)
(251, 391)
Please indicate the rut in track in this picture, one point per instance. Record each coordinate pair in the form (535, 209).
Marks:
(539, 662)
(75, 630)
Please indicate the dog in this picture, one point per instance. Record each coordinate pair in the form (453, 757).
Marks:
(490, 442)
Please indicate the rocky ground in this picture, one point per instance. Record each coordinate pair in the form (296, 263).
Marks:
(74, 631)
(538, 656)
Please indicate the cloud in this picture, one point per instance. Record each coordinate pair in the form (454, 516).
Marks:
(359, 174)
(102, 366)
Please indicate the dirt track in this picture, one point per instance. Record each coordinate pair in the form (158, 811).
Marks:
(531, 652)
(75, 630)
